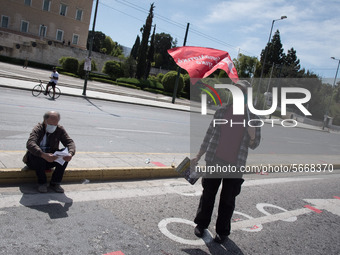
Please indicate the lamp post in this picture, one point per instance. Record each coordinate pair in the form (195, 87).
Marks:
(265, 55)
(330, 100)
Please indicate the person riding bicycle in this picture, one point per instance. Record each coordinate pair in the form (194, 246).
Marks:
(53, 82)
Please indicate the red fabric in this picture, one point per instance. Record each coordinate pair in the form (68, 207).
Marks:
(230, 137)
(200, 62)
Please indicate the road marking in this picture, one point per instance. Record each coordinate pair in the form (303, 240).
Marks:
(240, 225)
(135, 131)
(313, 209)
(115, 253)
(261, 206)
(253, 228)
(330, 205)
(162, 225)
(158, 164)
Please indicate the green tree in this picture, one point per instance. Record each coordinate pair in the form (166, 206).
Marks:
(275, 55)
(163, 42)
(142, 51)
(129, 67)
(104, 44)
(98, 40)
(245, 65)
(149, 57)
(135, 48)
(291, 65)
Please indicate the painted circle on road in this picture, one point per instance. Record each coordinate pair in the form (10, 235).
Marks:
(255, 228)
(261, 206)
(162, 225)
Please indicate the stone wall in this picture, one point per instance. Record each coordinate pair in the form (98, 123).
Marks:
(34, 49)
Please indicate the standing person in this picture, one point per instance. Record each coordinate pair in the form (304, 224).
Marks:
(25, 63)
(53, 82)
(42, 143)
(225, 145)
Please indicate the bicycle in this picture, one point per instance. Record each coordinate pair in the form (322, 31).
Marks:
(39, 88)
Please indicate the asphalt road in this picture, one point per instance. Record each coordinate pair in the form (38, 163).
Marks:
(298, 214)
(97, 125)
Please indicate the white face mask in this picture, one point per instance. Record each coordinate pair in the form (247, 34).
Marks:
(50, 128)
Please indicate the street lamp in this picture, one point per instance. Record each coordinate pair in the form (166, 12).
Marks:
(266, 53)
(330, 100)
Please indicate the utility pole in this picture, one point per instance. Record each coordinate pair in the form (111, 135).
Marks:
(90, 48)
(179, 69)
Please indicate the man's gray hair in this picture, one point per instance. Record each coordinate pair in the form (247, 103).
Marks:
(49, 113)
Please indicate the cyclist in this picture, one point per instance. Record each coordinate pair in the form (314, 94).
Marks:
(53, 82)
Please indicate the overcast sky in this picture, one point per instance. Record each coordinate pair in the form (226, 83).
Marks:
(311, 28)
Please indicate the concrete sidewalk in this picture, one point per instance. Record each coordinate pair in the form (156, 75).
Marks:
(101, 166)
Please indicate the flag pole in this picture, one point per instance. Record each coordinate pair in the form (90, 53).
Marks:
(179, 69)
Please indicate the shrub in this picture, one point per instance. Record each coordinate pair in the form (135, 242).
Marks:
(160, 77)
(186, 88)
(113, 69)
(69, 64)
(169, 81)
(132, 81)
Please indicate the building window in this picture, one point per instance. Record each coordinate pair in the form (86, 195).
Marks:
(4, 21)
(60, 35)
(42, 30)
(75, 39)
(28, 2)
(63, 9)
(24, 26)
(46, 5)
(79, 14)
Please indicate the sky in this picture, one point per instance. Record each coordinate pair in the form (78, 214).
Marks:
(240, 26)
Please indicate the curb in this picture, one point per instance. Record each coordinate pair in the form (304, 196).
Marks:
(16, 176)
(73, 175)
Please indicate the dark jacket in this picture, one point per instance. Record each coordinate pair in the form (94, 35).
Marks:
(59, 135)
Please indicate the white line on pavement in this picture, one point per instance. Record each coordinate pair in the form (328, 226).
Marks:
(134, 131)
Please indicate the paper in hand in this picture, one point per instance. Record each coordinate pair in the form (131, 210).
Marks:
(60, 155)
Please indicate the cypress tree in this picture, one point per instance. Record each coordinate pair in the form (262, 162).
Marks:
(141, 61)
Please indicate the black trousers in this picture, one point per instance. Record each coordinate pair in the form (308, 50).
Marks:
(231, 187)
(40, 165)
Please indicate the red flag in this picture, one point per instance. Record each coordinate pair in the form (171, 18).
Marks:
(200, 62)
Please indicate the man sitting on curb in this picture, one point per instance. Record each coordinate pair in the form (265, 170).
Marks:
(42, 143)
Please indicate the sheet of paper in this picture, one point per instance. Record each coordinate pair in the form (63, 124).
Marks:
(60, 155)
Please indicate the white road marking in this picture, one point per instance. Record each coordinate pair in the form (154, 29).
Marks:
(135, 131)
(162, 225)
(269, 218)
(331, 205)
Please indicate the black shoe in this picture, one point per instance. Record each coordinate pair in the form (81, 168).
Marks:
(220, 238)
(57, 188)
(199, 231)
